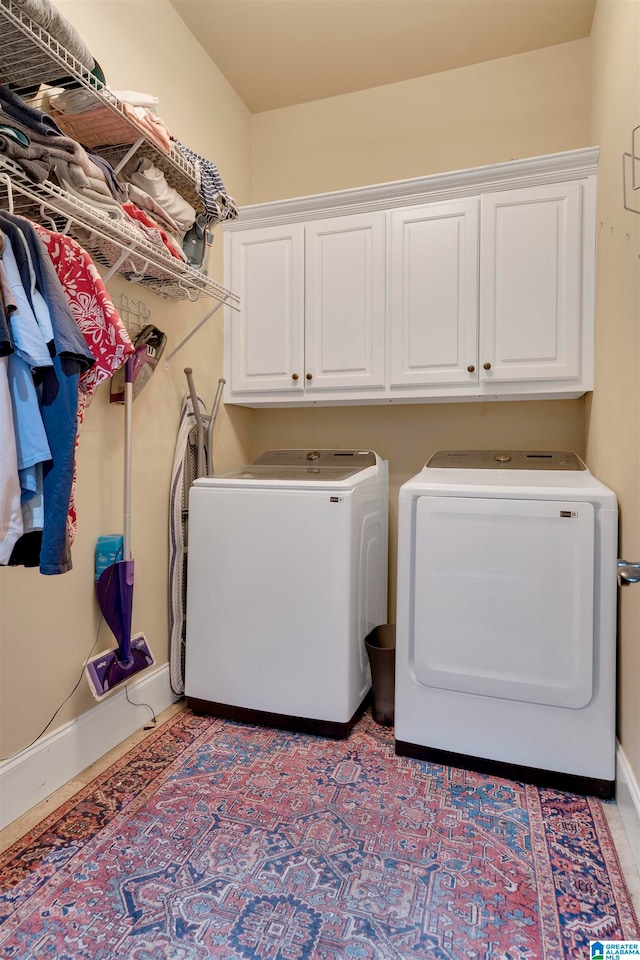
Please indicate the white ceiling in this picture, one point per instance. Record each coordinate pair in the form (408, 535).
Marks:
(276, 53)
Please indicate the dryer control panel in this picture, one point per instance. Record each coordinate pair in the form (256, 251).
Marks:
(506, 460)
(352, 459)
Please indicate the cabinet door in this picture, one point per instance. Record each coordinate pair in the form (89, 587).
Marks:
(433, 302)
(345, 302)
(530, 281)
(267, 334)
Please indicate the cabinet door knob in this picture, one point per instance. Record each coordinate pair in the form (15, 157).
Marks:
(487, 365)
(471, 368)
(294, 376)
(309, 376)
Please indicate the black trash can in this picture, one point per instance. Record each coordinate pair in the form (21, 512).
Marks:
(381, 650)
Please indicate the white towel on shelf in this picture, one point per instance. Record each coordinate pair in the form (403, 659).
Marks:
(136, 99)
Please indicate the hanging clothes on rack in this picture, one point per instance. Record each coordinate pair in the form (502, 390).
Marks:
(11, 524)
(58, 395)
(7, 306)
(10, 510)
(32, 352)
(62, 337)
(31, 355)
(98, 320)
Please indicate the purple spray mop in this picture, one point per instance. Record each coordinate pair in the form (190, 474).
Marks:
(114, 588)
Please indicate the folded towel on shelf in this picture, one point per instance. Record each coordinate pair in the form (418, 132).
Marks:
(136, 99)
(12, 105)
(64, 101)
(34, 159)
(50, 19)
(146, 202)
(96, 124)
(76, 175)
(143, 173)
(72, 162)
(56, 143)
(78, 99)
(118, 191)
(218, 205)
(97, 201)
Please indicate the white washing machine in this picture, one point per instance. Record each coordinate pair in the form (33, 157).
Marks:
(287, 575)
(506, 621)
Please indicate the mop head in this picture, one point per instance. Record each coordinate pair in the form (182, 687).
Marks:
(106, 672)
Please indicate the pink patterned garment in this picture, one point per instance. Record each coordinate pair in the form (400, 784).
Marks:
(97, 318)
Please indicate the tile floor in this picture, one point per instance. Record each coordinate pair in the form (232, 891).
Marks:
(625, 854)
(20, 826)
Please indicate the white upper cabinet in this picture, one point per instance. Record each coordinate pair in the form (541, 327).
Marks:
(312, 308)
(344, 326)
(477, 284)
(530, 283)
(433, 293)
(266, 341)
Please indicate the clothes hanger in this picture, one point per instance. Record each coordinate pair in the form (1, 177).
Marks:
(6, 179)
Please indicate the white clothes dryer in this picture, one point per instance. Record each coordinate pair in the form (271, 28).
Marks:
(506, 620)
(287, 574)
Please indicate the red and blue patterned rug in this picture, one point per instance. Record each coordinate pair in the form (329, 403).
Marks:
(212, 839)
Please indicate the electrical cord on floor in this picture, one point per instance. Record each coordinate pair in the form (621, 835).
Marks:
(152, 723)
(150, 726)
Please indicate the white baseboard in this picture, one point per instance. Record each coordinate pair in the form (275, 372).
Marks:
(628, 800)
(36, 772)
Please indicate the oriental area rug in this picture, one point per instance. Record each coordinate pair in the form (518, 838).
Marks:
(214, 839)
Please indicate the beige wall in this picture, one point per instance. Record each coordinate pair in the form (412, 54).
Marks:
(521, 106)
(48, 624)
(527, 105)
(613, 422)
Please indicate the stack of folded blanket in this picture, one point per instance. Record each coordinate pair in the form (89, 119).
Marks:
(34, 141)
(45, 15)
(79, 116)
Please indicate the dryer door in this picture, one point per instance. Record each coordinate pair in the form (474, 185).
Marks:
(503, 595)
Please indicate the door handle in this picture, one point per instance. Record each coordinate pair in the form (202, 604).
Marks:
(628, 573)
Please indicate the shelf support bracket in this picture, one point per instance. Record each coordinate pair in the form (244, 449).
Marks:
(194, 331)
(130, 152)
(113, 269)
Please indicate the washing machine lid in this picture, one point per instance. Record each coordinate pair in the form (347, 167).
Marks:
(505, 460)
(303, 467)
